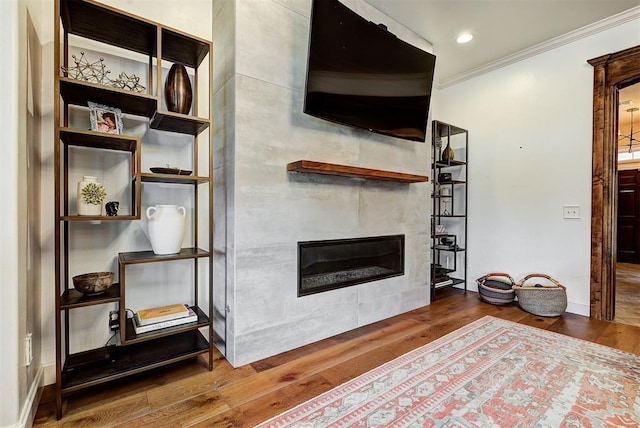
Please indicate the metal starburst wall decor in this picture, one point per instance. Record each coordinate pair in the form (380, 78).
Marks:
(97, 72)
(93, 72)
(132, 83)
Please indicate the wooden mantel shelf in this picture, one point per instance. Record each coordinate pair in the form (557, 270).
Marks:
(353, 171)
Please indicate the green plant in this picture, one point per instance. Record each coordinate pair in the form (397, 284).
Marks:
(93, 194)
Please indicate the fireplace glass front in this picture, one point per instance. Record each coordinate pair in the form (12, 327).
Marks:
(327, 265)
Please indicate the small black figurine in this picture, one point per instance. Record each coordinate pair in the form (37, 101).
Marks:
(112, 208)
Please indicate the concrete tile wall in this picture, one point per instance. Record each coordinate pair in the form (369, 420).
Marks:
(267, 210)
(223, 178)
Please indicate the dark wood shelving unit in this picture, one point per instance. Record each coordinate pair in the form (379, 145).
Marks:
(455, 281)
(71, 298)
(137, 257)
(446, 208)
(452, 162)
(148, 177)
(187, 50)
(108, 25)
(85, 218)
(128, 335)
(447, 248)
(77, 92)
(101, 365)
(314, 167)
(175, 122)
(99, 140)
(161, 46)
(132, 337)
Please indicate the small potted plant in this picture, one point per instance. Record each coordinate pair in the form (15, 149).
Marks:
(91, 194)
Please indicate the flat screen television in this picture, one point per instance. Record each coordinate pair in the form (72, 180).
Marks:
(361, 75)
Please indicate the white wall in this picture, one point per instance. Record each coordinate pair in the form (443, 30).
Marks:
(19, 254)
(9, 218)
(191, 16)
(530, 137)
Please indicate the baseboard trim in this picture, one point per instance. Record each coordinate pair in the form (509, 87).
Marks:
(30, 406)
(49, 373)
(578, 309)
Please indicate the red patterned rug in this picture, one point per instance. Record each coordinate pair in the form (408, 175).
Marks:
(491, 373)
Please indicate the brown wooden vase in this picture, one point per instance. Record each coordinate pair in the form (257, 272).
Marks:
(177, 90)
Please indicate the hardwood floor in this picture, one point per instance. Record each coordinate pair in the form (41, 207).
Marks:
(187, 394)
(627, 309)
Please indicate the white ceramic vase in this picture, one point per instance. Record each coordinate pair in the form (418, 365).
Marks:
(83, 207)
(166, 228)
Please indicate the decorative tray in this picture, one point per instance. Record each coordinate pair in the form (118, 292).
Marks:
(175, 171)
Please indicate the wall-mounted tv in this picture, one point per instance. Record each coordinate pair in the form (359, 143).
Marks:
(361, 75)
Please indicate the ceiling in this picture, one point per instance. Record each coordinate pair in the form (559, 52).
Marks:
(501, 27)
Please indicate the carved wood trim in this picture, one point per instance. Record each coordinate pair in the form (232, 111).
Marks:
(611, 73)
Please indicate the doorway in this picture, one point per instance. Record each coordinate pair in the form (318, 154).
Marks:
(627, 288)
(612, 73)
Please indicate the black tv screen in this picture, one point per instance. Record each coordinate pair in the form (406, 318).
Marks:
(361, 75)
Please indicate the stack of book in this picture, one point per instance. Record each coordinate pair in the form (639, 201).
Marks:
(146, 320)
(442, 280)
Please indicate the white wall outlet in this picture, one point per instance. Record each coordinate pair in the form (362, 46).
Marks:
(28, 349)
(571, 211)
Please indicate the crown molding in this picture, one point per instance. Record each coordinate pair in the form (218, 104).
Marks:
(556, 42)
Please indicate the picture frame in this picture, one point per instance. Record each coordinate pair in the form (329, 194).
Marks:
(105, 119)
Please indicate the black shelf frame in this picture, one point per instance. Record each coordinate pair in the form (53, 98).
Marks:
(90, 368)
(456, 281)
(172, 178)
(98, 141)
(456, 216)
(92, 20)
(132, 337)
(72, 298)
(127, 333)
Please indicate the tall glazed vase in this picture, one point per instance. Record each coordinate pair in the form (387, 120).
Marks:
(83, 207)
(166, 228)
(177, 90)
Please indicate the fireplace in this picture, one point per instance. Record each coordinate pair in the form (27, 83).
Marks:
(331, 264)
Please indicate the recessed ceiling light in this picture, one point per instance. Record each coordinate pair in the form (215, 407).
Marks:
(464, 38)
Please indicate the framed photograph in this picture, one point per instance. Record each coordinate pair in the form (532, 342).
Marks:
(105, 119)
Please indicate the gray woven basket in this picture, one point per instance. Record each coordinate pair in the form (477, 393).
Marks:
(545, 301)
(496, 288)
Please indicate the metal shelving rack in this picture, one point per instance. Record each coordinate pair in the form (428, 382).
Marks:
(96, 22)
(449, 208)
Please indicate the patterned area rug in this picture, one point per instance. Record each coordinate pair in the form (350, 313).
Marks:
(491, 373)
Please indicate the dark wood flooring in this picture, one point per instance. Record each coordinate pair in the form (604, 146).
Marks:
(187, 394)
(627, 308)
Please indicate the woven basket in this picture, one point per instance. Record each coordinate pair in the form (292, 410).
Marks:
(496, 290)
(542, 300)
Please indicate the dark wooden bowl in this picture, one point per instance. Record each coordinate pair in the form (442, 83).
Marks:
(93, 283)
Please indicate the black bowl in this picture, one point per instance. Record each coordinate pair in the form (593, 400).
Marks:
(447, 240)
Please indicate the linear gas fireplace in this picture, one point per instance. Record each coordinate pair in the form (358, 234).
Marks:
(337, 263)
